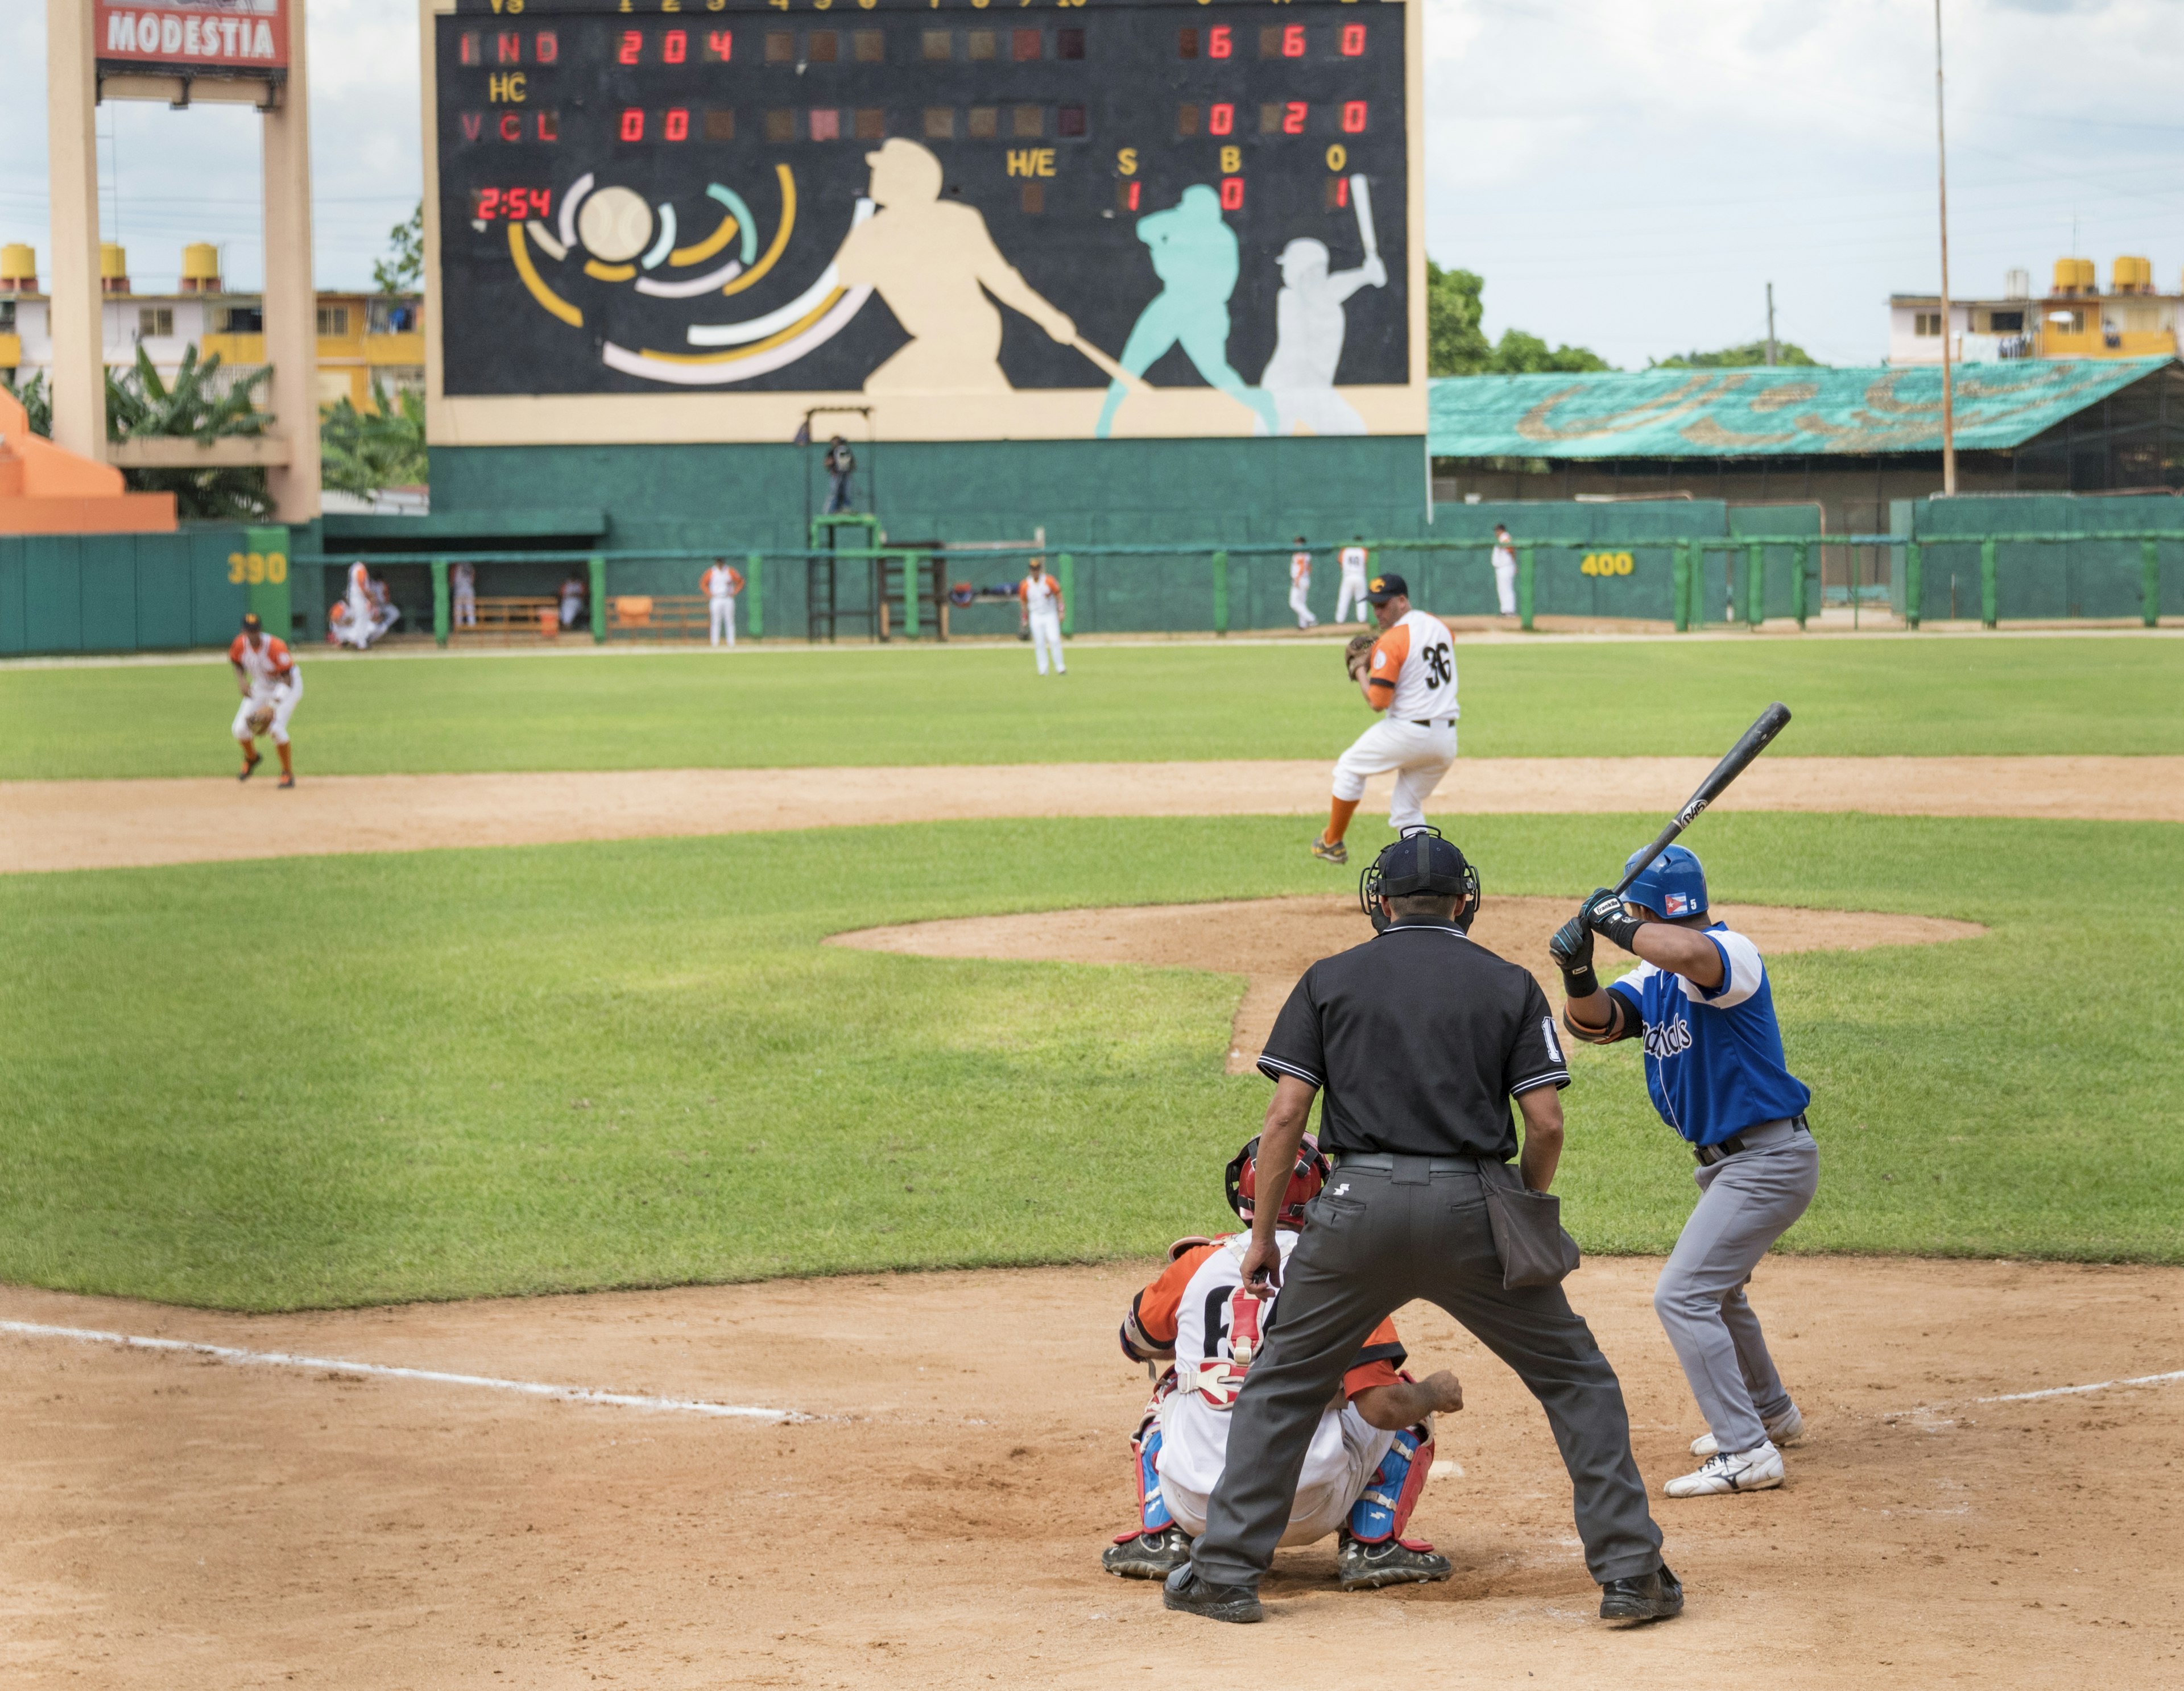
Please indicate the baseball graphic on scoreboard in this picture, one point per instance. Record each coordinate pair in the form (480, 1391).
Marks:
(1162, 217)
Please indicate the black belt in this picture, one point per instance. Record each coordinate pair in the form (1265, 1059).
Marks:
(1427, 721)
(1734, 1146)
(1386, 1162)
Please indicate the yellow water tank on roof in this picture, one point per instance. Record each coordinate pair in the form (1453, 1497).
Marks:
(112, 267)
(200, 268)
(2074, 276)
(18, 267)
(2132, 275)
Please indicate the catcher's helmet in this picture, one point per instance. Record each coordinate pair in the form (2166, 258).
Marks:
(1421, 861)
(1672, 884)
(1305, 1180)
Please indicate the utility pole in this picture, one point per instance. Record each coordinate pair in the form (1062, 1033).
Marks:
(1948, 383)
(1770, 325)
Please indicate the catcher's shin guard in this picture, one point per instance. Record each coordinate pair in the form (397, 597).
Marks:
(1153, 1515)
(1383, 1509)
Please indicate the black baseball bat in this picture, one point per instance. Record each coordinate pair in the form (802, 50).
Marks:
(1772, 720)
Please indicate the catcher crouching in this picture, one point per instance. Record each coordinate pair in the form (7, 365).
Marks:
(1369, 1455)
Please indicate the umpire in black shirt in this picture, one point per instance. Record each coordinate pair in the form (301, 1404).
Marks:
(1419, 1039)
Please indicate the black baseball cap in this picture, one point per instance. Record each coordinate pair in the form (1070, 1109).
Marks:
(1382, 589)
(251, 625)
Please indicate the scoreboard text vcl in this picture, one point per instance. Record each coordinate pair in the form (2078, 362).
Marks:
(929, 195)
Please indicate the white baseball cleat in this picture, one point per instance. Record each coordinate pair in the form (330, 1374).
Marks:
(1785, 1429)
(1760, 1470)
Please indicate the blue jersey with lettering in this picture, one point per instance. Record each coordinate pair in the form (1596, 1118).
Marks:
(1713, 1057)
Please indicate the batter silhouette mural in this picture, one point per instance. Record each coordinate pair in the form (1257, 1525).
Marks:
(1082, 224)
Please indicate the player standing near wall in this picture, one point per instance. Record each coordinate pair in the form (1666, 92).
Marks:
(720, 585)
(270, 685)
(1300, 585)
(463, 578)
(1040, 597)
(1352, 591)
(1409, 675)
(1715, 1069)
(1505, 570)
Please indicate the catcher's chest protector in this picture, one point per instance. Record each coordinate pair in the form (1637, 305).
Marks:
(1220, 1321)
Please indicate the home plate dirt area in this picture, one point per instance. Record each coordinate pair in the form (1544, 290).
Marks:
(180, 1521)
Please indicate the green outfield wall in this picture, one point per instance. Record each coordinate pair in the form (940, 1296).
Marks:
(140, 592)
(2085, 575)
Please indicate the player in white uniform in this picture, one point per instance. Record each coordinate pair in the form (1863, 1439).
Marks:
(1352, 591)
(1369, 1455)
(269, 680)
(463, 577)
(1411, 679)
(720, 585)
(1300, 585)
(1040, 597)
(1505, 570)
(359, 619)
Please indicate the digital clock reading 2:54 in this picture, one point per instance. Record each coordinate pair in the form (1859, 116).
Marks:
(1156, 217)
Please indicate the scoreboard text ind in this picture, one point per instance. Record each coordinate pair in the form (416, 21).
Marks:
(984, 218)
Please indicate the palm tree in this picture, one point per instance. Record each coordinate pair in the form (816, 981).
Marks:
(37, 400)
(361, 452)
(138, 403)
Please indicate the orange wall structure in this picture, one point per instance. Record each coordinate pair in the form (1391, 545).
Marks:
(44, 490)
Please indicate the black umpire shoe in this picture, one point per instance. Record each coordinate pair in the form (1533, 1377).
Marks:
(1650, 1597)
(1148, 1556)
(1186, 1591)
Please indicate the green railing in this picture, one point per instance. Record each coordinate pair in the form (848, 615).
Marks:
(1689, 565)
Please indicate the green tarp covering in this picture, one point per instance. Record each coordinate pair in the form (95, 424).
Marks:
(1763, 413)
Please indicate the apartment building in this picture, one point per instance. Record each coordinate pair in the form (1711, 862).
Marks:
(2075, 319)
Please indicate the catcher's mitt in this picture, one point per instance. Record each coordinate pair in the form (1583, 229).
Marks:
(260, 718)
(1358, 653)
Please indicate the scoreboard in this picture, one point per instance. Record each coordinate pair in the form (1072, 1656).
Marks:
(697, 220)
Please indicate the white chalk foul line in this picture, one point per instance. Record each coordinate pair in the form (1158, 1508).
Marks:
(530, 1388)
(2075, 1391)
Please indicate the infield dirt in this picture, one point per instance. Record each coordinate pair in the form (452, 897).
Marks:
(108, 824)
(180, 1522)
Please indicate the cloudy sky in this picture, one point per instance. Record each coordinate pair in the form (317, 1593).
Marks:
(1628, 175)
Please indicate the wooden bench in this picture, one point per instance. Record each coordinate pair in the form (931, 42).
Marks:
(515, 619)
(659, 616)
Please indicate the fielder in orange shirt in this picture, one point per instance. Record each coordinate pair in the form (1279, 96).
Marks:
(271, 684)
(1040, 595)
(720, 585)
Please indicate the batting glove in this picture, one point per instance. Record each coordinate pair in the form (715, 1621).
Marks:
(1606, 913)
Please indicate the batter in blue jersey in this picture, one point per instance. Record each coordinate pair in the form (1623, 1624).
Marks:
(1701, 1000)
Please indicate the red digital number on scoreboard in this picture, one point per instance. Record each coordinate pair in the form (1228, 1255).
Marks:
(514, 205)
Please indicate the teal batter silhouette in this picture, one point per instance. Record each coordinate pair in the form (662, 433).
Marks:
(1195, 255)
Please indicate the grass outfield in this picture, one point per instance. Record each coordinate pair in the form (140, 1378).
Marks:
(350, 1080)
(776, 707)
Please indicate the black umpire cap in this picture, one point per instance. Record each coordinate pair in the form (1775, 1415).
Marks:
(1421, 861)
(1382, 589)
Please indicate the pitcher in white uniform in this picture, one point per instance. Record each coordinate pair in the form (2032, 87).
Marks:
(1040, 595)
(1411, 680)
(1369, 1455)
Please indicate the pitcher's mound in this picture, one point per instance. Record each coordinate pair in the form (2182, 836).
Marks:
(1271, 942)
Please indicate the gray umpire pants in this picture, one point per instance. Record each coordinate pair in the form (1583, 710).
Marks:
(1372, 1241)
(1746, 1202)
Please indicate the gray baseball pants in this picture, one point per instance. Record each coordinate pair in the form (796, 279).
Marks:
(1747, 1202)
(1373, 1241)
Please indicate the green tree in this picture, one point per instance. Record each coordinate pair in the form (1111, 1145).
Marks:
(361, 452)
(139, 405)
(1456, 344)
(1740, 358)
(402, 270)
(38, 401)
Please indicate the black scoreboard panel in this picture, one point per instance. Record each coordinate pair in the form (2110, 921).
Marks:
(658, 196)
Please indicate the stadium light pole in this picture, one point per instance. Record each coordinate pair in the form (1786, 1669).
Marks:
(1942, 158)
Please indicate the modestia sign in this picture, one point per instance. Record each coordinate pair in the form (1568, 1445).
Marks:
(198, 35)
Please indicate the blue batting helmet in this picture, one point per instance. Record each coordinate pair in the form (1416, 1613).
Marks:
(1673, 883)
